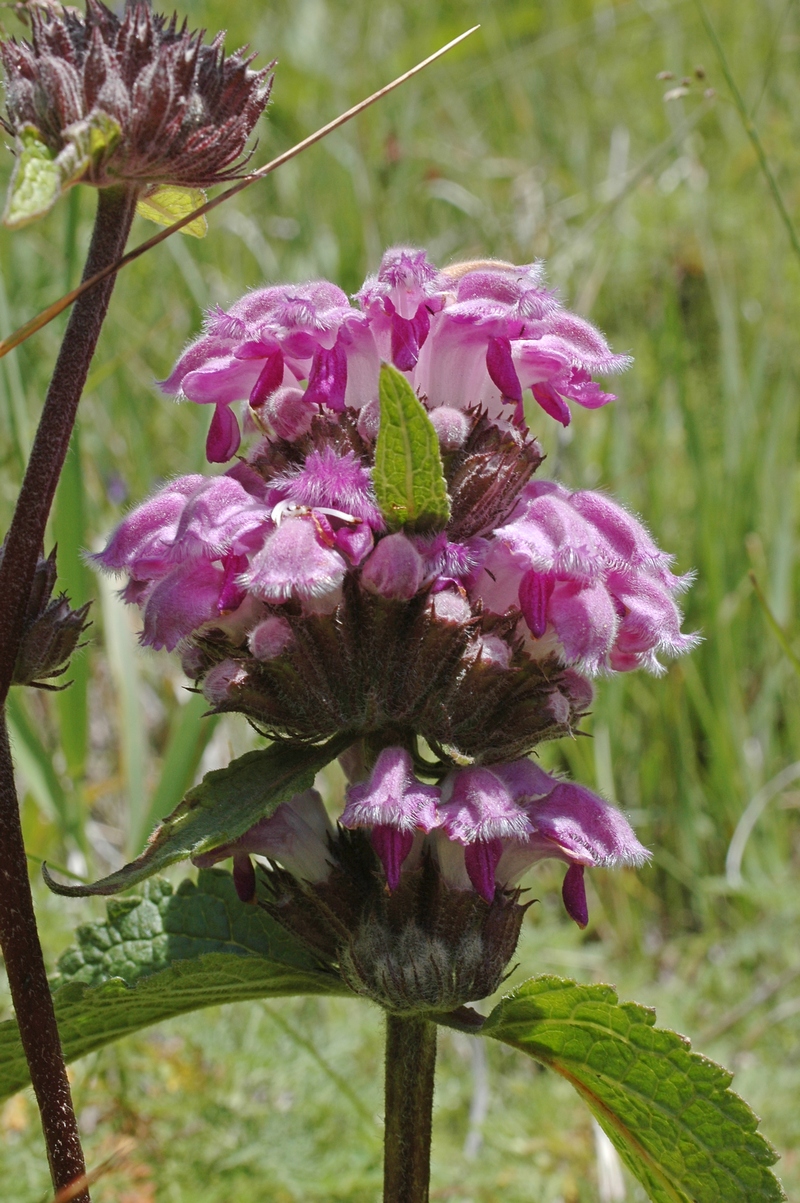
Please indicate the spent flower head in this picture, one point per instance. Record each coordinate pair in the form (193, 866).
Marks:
(101, 99)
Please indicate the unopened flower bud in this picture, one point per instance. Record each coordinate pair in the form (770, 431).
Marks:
(451, 425)
(270, 638)
(221, 679)
(287, 413)
(394, 569)
(369, 420)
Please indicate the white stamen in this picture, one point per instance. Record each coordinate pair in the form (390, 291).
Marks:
(290, 509)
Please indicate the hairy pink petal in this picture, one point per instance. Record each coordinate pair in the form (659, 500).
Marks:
(221, 381)
(584, 827)
(392, 796)
(142, 542)
(294, 563)
(182, 602)
(220, 517)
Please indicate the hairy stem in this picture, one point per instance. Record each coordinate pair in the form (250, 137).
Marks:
(31, 994)
(19, 937)
(410, 1065)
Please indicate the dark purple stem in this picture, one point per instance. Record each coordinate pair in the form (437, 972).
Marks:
(19, 937)
(410, 1066)
(31, 994)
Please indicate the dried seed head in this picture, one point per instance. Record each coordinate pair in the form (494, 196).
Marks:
(137, 98)
(51, 633)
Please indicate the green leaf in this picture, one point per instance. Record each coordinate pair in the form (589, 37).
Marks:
(40, 176)
(35, 182)
(167, 204)
(668, 1111)
(221, 808)
(408, 475)
(88, 142)
(161, 955)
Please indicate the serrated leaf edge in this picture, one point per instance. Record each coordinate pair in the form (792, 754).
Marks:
(608, 1120)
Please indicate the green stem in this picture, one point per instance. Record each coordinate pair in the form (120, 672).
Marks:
(410, 1065)
(750, 130)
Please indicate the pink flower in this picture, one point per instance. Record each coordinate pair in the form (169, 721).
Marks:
(142, 542)
(589, 580)
(394, 569)
(328, 480)
(499, 820)
(469, 335)
(296, 561)
(274, 338)
(399, 302)
(500, 332)
(395, 806)
(297, 834)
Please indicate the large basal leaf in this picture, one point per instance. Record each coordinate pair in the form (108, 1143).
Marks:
(221, 808)
(408, 475)
(163, 954)
(668, 1111)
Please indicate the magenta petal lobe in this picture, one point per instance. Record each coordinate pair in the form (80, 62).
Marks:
(392, 846)
(481, 859)
(573, 892)
(223, 436)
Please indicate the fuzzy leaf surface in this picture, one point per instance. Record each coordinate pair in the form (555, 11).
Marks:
(221, 808)
(160, 955)
(667, 1110)
(408, 474)
(170, 203)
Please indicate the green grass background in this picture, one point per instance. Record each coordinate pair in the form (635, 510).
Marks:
(546, 136)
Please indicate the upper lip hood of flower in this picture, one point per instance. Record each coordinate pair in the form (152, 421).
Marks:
(182, 109)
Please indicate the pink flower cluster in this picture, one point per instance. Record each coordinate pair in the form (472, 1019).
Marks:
(486, 826)
(474, 334)
(589, 580)
(260, 576)
(591, 584)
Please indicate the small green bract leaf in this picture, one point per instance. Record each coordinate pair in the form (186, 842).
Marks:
(221, 808)
(88, 142)
(168, 204)
(163, 954)
(36, 180)
(40, 177)
(667, 1110)
(408, 475)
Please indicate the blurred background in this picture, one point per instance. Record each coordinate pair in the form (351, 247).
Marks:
(549, 135)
